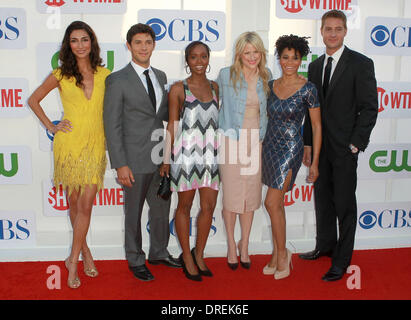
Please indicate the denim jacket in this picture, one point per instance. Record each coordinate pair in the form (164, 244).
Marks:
(232, 107)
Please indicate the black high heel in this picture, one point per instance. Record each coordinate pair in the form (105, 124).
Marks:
(205, 273)
(245, 265)
(194, 277)
(232, 266)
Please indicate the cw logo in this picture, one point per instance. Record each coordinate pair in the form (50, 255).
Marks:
(14, 165)
(110, 60)
(379, 161)
(305, 63)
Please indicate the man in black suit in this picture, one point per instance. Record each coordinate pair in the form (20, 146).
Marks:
(349, 106)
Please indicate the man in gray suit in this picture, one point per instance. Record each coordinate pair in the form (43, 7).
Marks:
(135, 105)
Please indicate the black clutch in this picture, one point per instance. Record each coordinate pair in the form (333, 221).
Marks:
(164, 191)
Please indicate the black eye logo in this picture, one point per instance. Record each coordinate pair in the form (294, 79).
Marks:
(367, 219)
(380, 35)
(159, 27)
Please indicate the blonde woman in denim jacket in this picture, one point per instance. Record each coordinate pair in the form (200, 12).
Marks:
(242, 123)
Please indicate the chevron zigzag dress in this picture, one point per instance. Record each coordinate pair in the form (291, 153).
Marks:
(194, 157)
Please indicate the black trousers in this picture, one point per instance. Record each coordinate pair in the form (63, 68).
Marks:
(335, 201)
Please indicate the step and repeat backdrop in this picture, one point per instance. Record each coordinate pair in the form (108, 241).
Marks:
(34, 212)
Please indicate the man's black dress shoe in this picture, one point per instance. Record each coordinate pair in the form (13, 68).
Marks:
(169, 262)
(315, 254)
(142, 273)
(335, 273)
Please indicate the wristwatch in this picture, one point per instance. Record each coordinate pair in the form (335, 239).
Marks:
(353, 148)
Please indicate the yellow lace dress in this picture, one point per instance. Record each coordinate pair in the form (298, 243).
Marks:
(79, 155)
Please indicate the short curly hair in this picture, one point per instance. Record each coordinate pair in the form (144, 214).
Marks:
(299, 44)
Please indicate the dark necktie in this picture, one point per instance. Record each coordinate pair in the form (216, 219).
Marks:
(150, 88)
(327, 74)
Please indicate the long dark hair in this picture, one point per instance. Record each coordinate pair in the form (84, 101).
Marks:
(68, 60)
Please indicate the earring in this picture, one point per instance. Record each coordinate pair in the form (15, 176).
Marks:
(209, 69)
(187, 71)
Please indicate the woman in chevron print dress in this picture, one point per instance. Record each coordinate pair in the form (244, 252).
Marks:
(192, 131)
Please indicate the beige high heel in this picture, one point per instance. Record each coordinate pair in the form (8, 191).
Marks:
(286, 272)
(75, 283)
(269, 270)
(90, 272)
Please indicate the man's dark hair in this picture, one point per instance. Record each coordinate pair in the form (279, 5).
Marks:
(140, 28)
(334, 14)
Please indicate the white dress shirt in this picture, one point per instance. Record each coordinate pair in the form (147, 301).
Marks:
(336, 56)
(157, 88)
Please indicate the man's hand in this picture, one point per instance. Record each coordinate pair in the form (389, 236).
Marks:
(307, 156)
(125, 176)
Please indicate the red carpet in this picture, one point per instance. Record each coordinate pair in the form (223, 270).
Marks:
(385, 274)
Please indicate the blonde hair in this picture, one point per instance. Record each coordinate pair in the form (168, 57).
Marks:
(236, 69)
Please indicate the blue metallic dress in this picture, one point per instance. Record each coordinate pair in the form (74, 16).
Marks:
(283, 145)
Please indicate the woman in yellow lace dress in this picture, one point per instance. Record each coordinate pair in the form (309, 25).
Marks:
(79, 143)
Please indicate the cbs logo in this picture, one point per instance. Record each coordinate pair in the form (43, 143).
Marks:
(400, 36)
(185, 29)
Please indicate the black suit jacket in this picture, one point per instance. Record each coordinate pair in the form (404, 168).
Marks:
(349, 110)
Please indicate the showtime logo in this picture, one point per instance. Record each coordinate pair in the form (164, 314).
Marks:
(301, 196)
(83, 6)
(13, 97)
(314, 9)
(394, 100)
(107, 199)
(59, 3)
(302, 193)
(58, 199)
(294, 6)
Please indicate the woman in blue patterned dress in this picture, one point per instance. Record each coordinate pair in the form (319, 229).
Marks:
(192, 133)
(283, 144)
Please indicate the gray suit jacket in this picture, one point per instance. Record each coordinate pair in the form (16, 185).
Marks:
(130, 119)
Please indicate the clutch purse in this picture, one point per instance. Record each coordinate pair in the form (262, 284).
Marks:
(164, 190)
